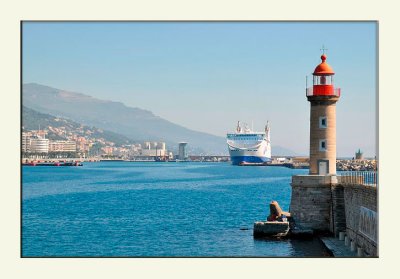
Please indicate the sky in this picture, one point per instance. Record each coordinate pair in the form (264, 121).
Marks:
(208, 75)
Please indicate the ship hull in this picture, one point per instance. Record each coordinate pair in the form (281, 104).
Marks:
(249, 160)
(257, 156)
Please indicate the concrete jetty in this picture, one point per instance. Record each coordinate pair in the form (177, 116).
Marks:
(338, 248)
(330, 205)
(271, 228)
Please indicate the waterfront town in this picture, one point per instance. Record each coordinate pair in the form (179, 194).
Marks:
(36, 145)
(82, 145)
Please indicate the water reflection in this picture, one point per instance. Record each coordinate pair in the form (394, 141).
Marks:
(312, 247)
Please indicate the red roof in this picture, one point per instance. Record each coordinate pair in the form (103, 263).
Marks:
(323, 69)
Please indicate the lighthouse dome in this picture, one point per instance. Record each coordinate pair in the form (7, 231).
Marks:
(323, 69)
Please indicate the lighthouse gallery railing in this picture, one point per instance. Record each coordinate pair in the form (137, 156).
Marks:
(310, 92)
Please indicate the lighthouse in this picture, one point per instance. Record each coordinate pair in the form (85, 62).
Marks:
(323, 97)
(317, 201)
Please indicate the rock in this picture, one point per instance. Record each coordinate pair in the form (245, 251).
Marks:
(270, 228)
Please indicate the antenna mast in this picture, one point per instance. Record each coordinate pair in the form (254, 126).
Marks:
(323, 49)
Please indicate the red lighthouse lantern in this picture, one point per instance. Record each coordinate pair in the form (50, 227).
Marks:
(323, 81)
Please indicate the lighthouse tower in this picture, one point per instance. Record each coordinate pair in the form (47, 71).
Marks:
(323, 97)
(317, 198)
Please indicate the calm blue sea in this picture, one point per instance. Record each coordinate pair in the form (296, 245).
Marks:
(154, 209)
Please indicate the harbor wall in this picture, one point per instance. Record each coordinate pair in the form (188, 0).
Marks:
(311, 201)
(361, 216)
(338, 209)
(324, 205)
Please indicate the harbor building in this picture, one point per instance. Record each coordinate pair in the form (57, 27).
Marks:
(182, 155)
(153, 152)
(62, 146)
(107, 150)
(359, 155)
(39, 145)
(26, 142)
(83, 145)
(34, 142)
(153, 149)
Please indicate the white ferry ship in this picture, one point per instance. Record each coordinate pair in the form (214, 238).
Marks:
(249, 148)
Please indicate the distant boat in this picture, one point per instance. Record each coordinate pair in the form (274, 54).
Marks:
(247, 147)
(54, 164)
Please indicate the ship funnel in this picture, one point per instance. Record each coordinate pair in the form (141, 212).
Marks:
(267, 127)
(267, 132)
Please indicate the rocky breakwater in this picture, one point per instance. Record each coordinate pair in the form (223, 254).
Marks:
(356, 165)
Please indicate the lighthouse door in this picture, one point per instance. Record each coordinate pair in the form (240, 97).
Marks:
(323, 166)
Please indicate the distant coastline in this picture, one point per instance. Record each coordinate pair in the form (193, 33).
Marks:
(366, 164)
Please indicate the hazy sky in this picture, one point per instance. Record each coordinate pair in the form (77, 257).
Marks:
(207, 76)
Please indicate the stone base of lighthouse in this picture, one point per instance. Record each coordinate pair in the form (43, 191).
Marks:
(312, 201)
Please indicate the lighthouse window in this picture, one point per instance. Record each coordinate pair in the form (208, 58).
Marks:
(323, 122)
(322, 145)
(323, 80)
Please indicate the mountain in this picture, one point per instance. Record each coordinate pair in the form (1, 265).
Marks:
(134, 123)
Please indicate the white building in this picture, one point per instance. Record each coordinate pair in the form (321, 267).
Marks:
(153, 152)
(153, 149)
(26, 142)
(39, 145)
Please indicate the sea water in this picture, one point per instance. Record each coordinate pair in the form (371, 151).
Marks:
(155, 209)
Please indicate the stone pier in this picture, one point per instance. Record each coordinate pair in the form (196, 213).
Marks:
(361, 205)
(311, 204)
(325, 205)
